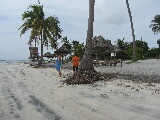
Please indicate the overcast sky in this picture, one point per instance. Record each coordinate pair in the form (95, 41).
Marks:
(111, 21)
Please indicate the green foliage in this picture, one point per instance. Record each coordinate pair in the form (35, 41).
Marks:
(48, 29)
(80, 50)
(66, 43)
(127, 49)
(73, 46)
(153, 53)
(155, 24)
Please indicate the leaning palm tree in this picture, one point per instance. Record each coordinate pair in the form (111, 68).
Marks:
(133, 35)
(48, 29)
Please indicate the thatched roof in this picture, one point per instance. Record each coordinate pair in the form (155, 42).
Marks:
(49, 55)
(115, 49)
(61, 50)
(100, 42)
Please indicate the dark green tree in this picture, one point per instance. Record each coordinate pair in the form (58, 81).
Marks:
(122, 45)
(66, 43)
(73, 46)
(142, 49)
(153, 52)
(78, 48)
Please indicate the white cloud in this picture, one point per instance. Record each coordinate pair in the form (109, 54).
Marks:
(111, 21)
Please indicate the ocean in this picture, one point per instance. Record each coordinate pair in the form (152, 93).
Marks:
(14, 61)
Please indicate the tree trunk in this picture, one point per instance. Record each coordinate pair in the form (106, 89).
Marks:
(41, 58)
(42, 28)
(134, 45)
(87, 73)
(86, 63)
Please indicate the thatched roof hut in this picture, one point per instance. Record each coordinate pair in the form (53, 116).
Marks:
(62, 51)
(49, 55)
(99, 42)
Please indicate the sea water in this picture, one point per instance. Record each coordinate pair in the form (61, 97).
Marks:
(13, 61)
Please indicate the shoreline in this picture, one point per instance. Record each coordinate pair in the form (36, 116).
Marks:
(136, 72)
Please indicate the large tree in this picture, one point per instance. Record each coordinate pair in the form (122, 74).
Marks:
(122, 45)
(86, 73)
(47, 30)
(133, 35)
(86, 63)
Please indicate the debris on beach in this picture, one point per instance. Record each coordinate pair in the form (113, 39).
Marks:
(87, 77)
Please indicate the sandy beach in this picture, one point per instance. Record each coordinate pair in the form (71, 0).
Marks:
(28, 93)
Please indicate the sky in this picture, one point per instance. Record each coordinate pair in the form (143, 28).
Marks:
(111, 21)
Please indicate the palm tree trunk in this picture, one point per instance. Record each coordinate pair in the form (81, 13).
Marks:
(86, 63)
(133, 35)
(41, 58)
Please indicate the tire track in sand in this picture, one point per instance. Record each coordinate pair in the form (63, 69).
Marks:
(15, 105)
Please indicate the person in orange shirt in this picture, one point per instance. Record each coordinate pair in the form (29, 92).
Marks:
(75, 63)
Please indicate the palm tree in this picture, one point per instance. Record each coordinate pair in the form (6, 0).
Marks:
(78, 48)
(86, 63)
(48, 29)
(133, 35)
(156, 27)
(155, 24)
(66, 43)
(86, 73)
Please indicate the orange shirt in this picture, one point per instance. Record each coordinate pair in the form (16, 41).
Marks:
(75, 61)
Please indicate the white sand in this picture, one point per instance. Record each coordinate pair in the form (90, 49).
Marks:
(38, 94)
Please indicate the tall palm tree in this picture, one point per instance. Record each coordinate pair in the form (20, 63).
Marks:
(133, 35)
(48, 29)
(86, 69)
(155, 24)
(86, 63)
